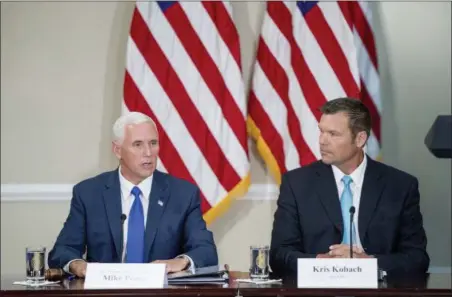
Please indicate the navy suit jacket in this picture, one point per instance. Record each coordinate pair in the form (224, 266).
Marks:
(174, 224)
(308, 218)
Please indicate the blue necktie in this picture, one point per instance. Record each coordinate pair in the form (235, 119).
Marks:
(346, 203)
(135, 230)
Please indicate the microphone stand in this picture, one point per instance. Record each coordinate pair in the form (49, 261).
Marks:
(123, 218)
(352, 212)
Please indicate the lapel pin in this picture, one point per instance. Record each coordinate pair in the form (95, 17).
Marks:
(160, 202)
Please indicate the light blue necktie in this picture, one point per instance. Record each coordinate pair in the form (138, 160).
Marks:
(346, 203)
(135, 230)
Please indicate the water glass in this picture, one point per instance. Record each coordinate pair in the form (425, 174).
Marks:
(259, 258)
(35, 264)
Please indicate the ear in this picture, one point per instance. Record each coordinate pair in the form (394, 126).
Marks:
(361, 139)
(116, 148)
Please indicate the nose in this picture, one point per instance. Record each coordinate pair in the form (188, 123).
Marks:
(147, 151)
(323, 139)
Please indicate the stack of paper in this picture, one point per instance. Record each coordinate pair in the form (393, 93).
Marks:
(258, 282)
(205, 275)
(35, 284)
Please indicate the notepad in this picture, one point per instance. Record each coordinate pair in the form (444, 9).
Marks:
(258, 282)
(34, 284)
(203, 275)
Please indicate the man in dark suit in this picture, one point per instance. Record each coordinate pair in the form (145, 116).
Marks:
(135, 214)
(313, 215)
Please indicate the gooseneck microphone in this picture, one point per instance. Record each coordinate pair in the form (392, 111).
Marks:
(352, 212)
(123, 218)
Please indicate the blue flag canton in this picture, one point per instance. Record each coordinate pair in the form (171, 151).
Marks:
(164, 5)
(306, 6)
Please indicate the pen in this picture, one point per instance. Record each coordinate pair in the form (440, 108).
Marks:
(71, 277)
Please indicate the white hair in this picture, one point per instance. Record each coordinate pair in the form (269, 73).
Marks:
(130, 118)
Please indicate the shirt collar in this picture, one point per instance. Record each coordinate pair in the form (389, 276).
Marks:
(357, 175)
(127, 186)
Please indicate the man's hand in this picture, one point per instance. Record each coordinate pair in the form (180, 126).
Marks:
(78, 267)
(174, 265)
(326, 255)
(343, 251)
(362, 255)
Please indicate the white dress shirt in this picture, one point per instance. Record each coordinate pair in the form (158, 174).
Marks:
(356, 187)
(127, 200)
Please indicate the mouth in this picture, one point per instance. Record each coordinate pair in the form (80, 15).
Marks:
(147, 164)
(324, 153)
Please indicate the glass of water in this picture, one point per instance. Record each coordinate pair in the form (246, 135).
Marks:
(259, 259)
(35, 264)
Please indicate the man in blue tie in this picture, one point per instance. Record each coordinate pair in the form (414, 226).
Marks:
(134, 214)
(316, 202)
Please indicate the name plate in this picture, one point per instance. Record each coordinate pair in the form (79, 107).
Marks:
(338, 273)
(125, 276)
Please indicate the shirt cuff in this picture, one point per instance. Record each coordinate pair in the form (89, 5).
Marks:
(66, 267)
(190, 266)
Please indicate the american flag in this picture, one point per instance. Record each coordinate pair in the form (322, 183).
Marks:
(184, 71)
(308, 53)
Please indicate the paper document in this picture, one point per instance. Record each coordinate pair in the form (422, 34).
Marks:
(209, 274)
(258, 282)
(33, 284)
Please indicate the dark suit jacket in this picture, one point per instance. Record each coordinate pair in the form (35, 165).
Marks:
(174, 225)
(308, 218)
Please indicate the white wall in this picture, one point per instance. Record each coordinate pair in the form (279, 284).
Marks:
(62, 67)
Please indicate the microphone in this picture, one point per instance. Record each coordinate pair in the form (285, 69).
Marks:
(352, 212)
(123, 218)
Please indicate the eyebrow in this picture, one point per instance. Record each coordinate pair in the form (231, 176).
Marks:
(330, 130)
(139, 140)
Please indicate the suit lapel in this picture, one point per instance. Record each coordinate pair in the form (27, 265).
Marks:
(327, 191)
(157, 203)
(112, 202)
(373, 185)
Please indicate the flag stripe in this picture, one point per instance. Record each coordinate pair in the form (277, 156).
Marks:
(304, 78)
(280, 15)
(279, 47)
(376, 124)
(369, 74)
(278, 113)
(218, 49)
(225, 26)
(267, 129)
(135, 102)
(192, 119)
(278, 78)
(183, 69)
(356, 19)
(320, 70)
(201, 96)
(365, 8)
(343, 35)
(331, 50)
(367, 60)
(373, 146)
(267, 95)
(171, 122)
(208, 70)
(310, 52)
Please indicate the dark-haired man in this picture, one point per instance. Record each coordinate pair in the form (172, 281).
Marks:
(313, 214)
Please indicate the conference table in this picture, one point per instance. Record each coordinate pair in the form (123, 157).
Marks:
(407, 285)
